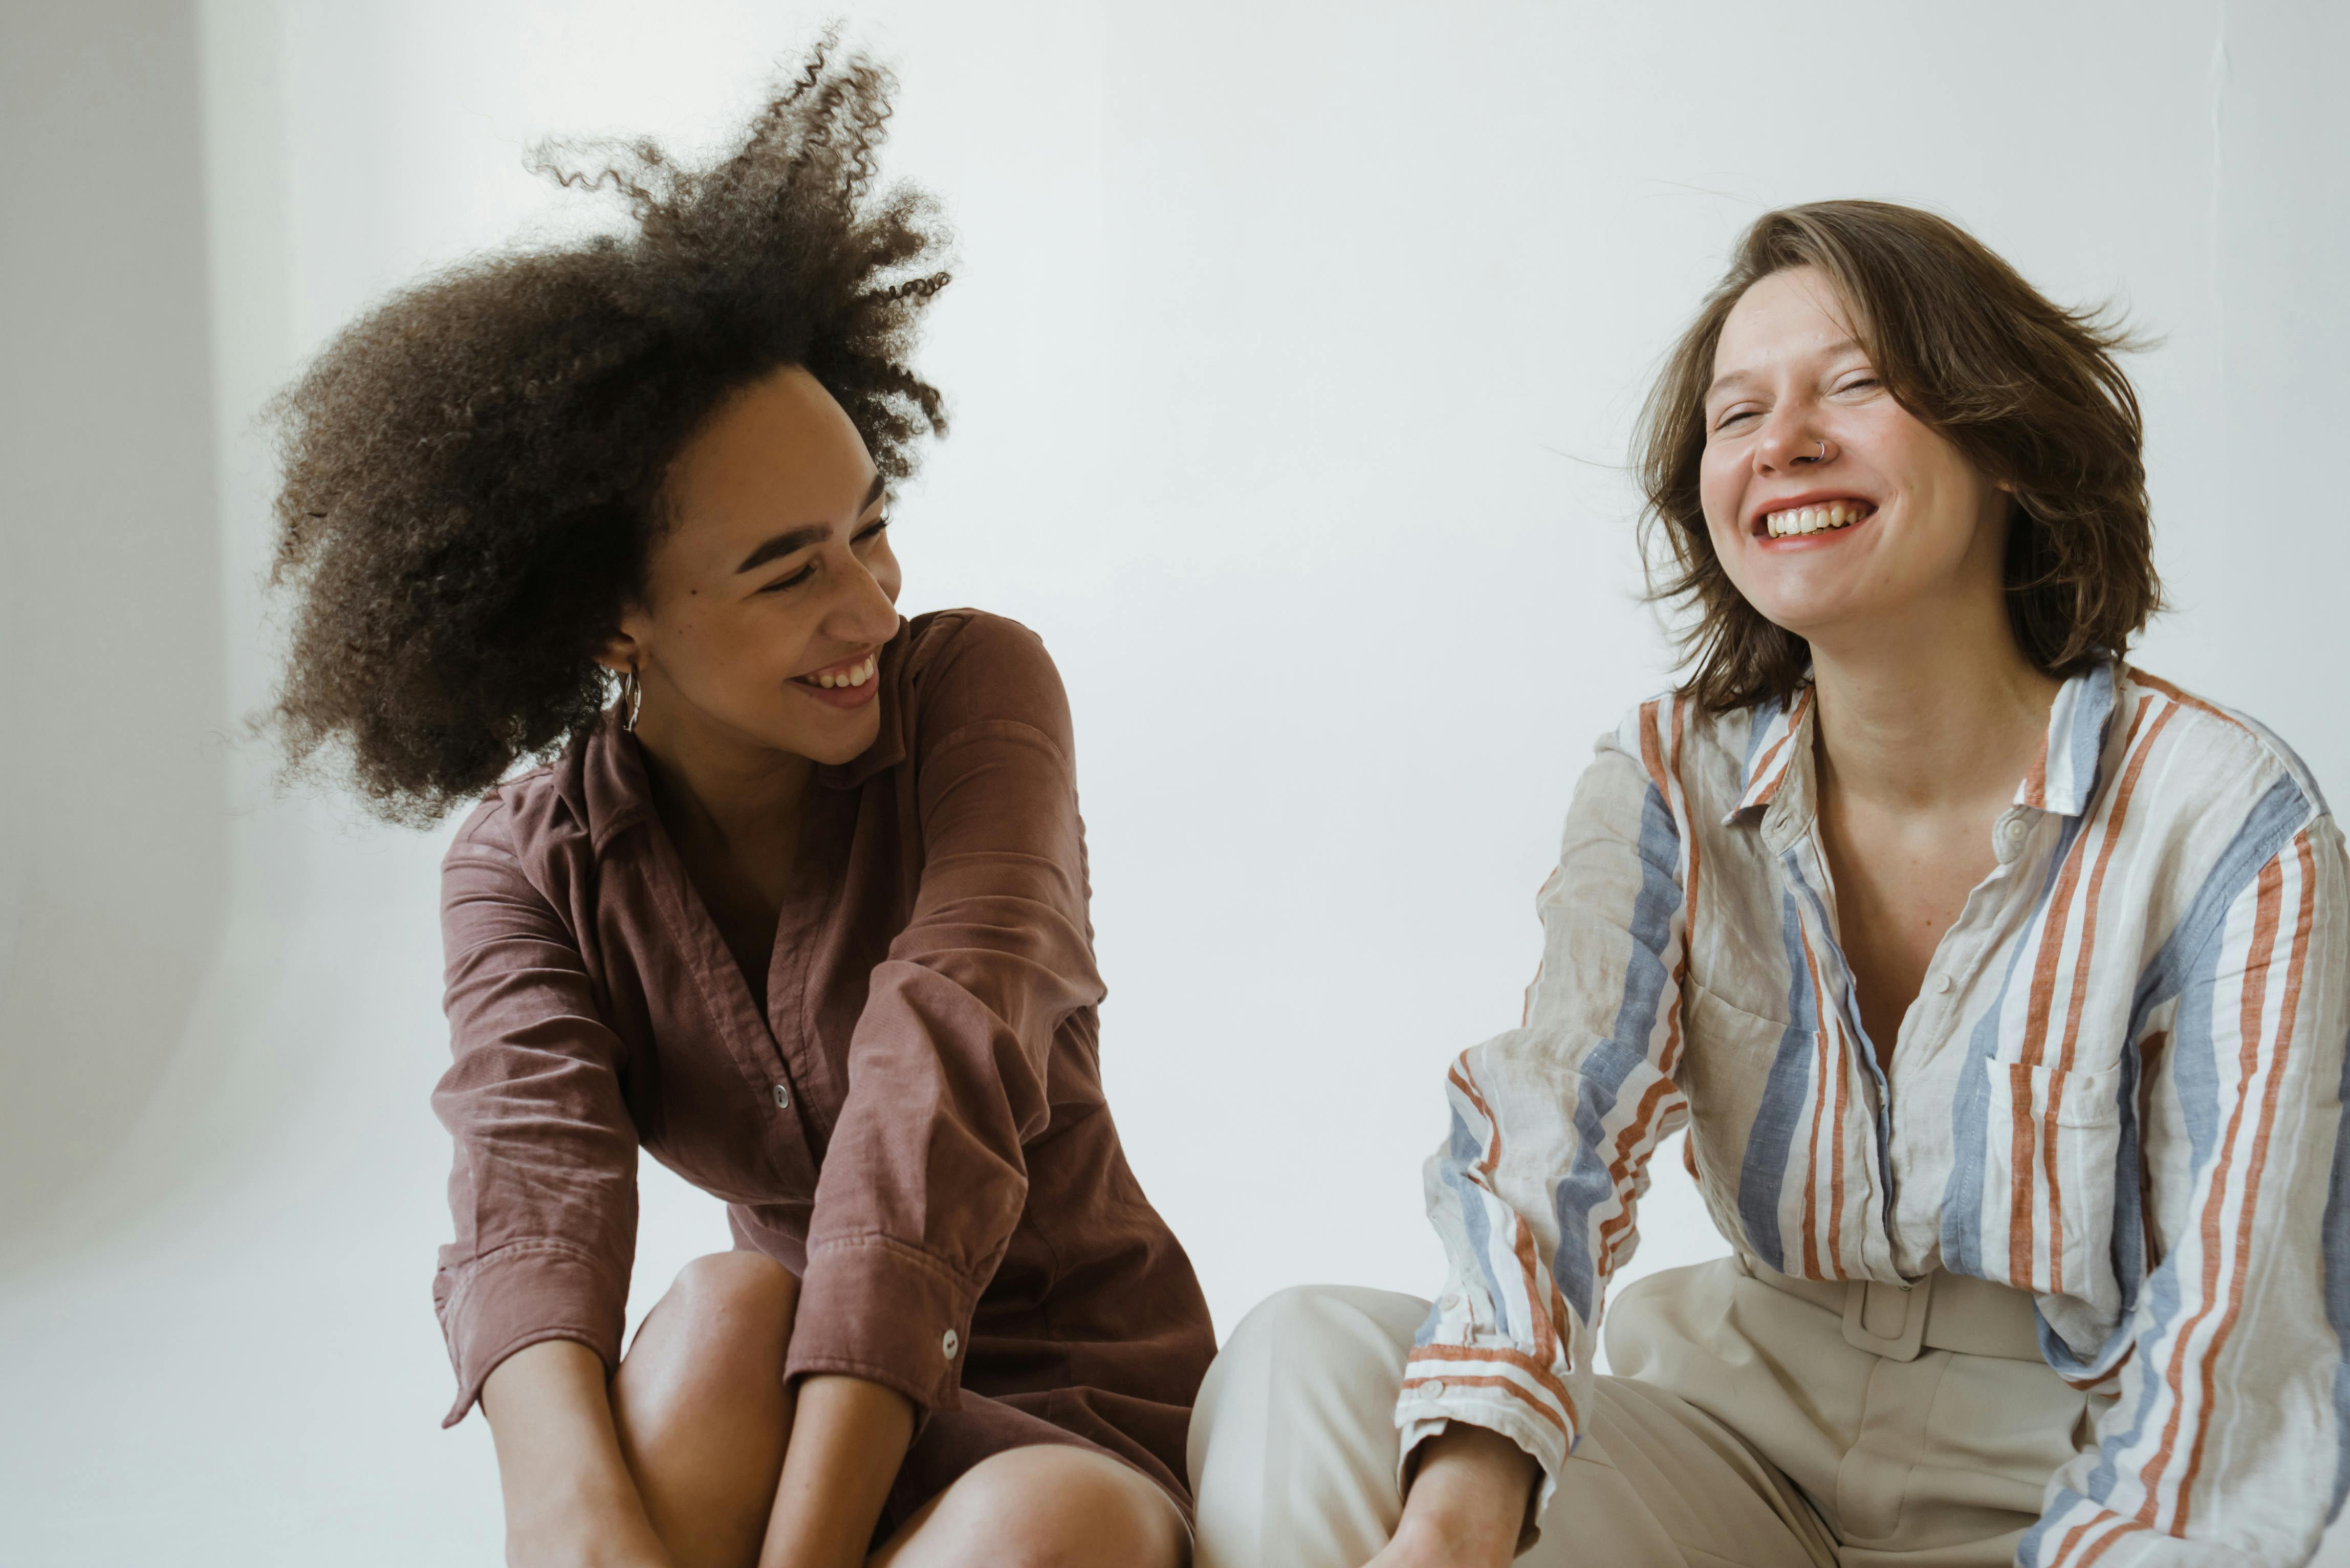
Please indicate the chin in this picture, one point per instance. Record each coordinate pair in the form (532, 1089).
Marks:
(847, 745)
(1841, 623)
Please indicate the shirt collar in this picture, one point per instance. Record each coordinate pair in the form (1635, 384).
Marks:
(2065, 775)
(610, 784)
(1781, 734)
(2062, 778)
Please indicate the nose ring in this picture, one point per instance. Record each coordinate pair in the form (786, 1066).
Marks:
(1824, 452)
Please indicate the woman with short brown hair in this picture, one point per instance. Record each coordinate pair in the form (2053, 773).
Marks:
(2003, 989)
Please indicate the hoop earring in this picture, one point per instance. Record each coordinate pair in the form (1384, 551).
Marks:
(632, 698)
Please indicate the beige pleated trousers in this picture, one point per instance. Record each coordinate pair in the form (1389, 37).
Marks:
(1752, 1420)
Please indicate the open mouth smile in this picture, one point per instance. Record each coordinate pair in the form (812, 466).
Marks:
(850, 685)
(856, 674)
(1807, 515)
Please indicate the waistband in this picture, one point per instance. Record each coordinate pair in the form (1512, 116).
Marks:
(1940, 1312)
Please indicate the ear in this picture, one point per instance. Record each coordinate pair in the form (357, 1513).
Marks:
(621, 653)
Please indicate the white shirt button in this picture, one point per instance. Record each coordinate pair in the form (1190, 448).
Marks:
(1452, 1299)
(2014, 829)
(950, 1344)
(783, 1096)
(1942, 984)
(1433, 1388)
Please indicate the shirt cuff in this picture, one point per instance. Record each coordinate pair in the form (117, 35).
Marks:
(876, 1309)
(522, 1293)
(1434, 1396)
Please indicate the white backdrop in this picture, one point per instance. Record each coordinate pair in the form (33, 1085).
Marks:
(1293, 355)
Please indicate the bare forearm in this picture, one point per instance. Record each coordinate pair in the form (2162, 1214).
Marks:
(570, 1498)
(849, 1437)
(1468, 1501)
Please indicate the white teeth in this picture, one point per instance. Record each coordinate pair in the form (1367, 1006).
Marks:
(1819, 519)
(856, 675)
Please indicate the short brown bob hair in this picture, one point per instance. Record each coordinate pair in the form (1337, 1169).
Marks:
(2026, 390)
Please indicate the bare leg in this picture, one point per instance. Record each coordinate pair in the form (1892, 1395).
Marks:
(702, 1409)
(1043, 1507)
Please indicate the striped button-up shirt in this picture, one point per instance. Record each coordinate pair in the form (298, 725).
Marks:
(2120, 1088)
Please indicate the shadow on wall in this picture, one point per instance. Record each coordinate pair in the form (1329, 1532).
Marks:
(112, 851)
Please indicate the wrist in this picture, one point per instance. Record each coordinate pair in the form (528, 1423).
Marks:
(586, 1518)
(1469, 1498)
(849, 1437)
(570, 1498)
(1429, 1535)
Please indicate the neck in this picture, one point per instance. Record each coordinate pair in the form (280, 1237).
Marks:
(1942, 710)
(709, 782)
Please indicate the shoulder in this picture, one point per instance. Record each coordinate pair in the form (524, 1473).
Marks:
(2238, 834)
(2228, 819)
(966, 666)
(523, 825)
(2220, 767)
(940, 640)
(1662, 780)
(1694, 762)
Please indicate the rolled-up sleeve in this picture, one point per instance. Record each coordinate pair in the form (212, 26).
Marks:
(924, 1178)
(543, 1192)
(1534, 1191)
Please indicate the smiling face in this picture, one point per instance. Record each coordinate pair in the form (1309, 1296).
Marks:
(771, 592)
(1837, 513)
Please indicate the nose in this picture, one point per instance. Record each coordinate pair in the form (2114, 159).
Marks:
(1789, 440)
(862, 609)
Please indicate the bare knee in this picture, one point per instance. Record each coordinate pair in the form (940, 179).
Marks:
(726, 1291)
(721, 1332)
(1050, 1507)
(699, 1405)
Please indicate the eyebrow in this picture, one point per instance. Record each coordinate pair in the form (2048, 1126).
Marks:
(807, 534)
(1833, 351)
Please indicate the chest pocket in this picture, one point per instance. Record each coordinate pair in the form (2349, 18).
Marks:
(2052, 1146)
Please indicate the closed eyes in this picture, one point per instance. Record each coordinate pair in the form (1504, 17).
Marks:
(864, 535)
(1863, 382)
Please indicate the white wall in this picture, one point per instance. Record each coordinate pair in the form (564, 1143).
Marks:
(113, 842)
(1292, 354)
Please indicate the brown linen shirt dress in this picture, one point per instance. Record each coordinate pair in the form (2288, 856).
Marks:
(916, 1125)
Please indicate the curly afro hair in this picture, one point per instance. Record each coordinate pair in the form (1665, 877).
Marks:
(473, 472)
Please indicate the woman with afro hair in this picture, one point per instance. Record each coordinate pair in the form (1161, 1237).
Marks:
(803, 913)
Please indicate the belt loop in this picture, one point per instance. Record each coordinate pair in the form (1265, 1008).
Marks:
(1887, 1320)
